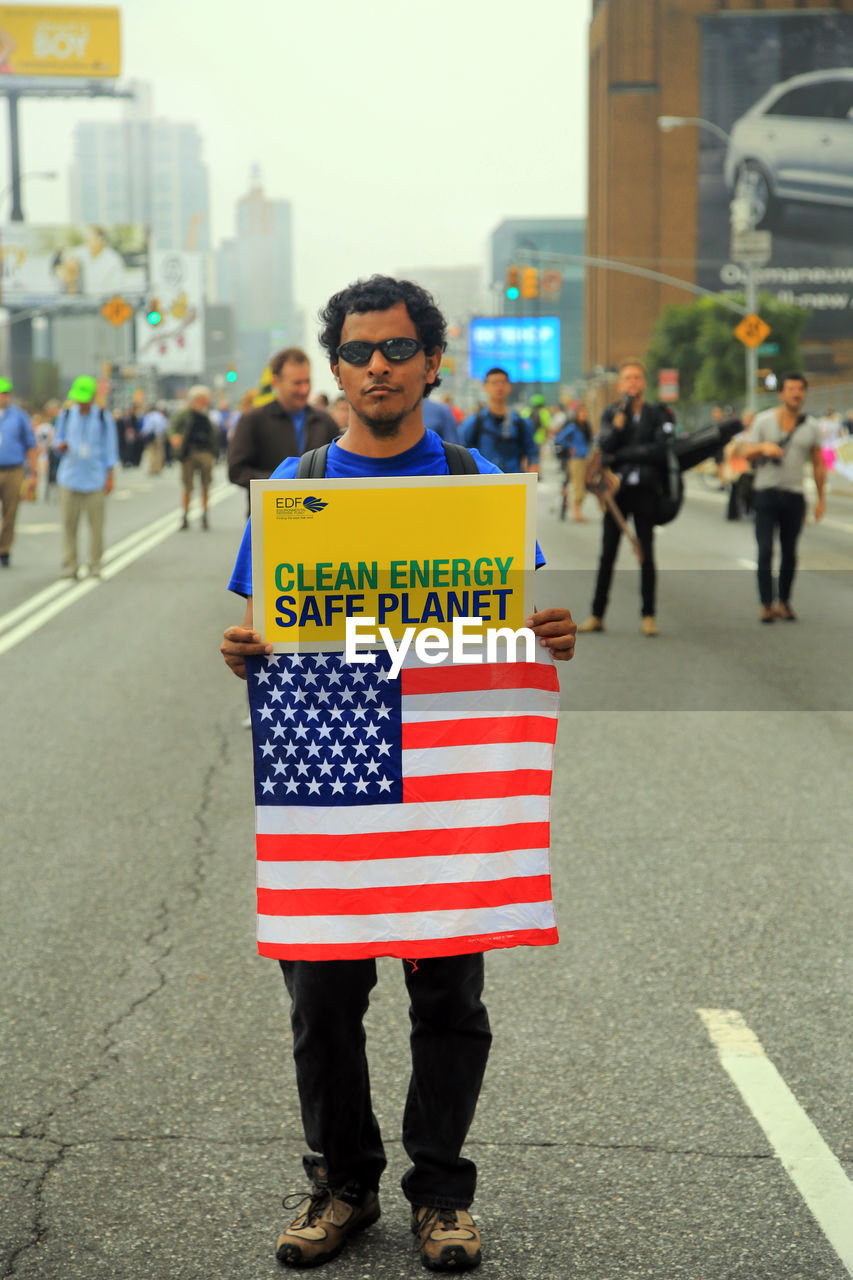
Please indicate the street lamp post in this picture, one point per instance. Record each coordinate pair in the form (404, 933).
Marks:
(17, 213)
(742, 219)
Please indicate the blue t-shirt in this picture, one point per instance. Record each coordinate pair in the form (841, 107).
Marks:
(298, 420)
(504, 441)
(426, 458)
(439, 418)
(16, 436)
(571, 437)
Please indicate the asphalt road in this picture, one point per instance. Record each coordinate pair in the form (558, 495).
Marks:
(701, 837)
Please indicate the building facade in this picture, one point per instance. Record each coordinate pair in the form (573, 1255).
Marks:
(738, 76)
(140, 169)
(255, 275)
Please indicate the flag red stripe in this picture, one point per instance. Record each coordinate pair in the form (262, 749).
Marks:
(487, 675)
(400, 898)
(477, 786)
(404, 844)
(461, 946)
(458, 733)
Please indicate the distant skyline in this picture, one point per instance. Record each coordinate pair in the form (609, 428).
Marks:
(399, 134)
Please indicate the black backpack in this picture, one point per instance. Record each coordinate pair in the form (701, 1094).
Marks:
(460, 462)
(198, 436)
(670, 494)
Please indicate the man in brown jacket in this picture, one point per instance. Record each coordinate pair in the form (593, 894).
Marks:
(284, 428)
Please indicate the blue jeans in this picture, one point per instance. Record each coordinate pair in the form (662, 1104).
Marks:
(450, 1041)
(777, 508)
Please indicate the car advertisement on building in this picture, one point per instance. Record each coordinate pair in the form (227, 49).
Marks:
(73, 263)
(780, 86)
(59, 40)
(170, 328)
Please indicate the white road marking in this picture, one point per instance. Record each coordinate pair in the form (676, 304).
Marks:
(38, 528)
(748, 564)
(812, 1167)
(26, 618)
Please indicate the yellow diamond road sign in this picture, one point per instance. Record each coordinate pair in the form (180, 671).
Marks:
(752, 330)
(117, 311)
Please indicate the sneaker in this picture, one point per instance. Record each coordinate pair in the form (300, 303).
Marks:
(768, 613)
(649, 627)
(592, 624)
(4, 559)
(784, 610)
(70, 573)
(185, 524)
(321, 1229)
(204, 523)
(448, 1239)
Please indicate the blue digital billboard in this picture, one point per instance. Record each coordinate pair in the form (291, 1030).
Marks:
(528, 347)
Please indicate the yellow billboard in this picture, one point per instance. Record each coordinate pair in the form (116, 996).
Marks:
(51, 40)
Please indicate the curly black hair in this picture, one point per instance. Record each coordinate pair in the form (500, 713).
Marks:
(380, 293)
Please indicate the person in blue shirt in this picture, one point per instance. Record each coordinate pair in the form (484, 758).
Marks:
(17, 448)
(87, 439)
(500, 433)
(439, 418)
(572, 443)
(385, 339)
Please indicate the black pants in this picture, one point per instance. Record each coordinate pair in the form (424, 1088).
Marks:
(450, 1041)
(777, 508)
(632, 500)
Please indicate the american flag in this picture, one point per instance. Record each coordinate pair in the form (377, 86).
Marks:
(401, 817)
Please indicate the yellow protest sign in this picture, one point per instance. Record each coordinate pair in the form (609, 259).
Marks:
(409, 551)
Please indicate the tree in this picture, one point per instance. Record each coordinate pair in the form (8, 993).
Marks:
(697, 339)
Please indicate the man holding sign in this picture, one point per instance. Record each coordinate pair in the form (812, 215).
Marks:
(385, 853)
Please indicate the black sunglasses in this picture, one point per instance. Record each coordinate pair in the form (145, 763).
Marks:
(395, 349)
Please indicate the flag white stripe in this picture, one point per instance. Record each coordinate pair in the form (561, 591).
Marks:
(458, 868)
(346, 820)
(489, 757)
(475, 703)
(407, 926)
(543, 656)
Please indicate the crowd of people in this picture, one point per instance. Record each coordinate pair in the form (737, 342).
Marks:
(69, 450)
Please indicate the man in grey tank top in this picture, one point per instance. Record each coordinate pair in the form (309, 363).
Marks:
(779, 444)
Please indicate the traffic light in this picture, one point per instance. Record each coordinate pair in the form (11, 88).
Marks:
(154, 315)
(530, 282)
(231, 375)
(513, 275)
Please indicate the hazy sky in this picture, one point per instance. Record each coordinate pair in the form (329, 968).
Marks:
(402, 133)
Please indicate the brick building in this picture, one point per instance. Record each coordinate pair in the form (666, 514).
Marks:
(692, 58)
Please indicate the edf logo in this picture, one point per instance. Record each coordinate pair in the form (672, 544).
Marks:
(314, 505)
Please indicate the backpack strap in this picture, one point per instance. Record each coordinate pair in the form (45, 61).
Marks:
(312, 465)
(460, 461)
(478, 428)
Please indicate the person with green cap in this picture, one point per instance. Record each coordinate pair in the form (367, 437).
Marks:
(540, 418)
(87, 439)
(17, 447)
